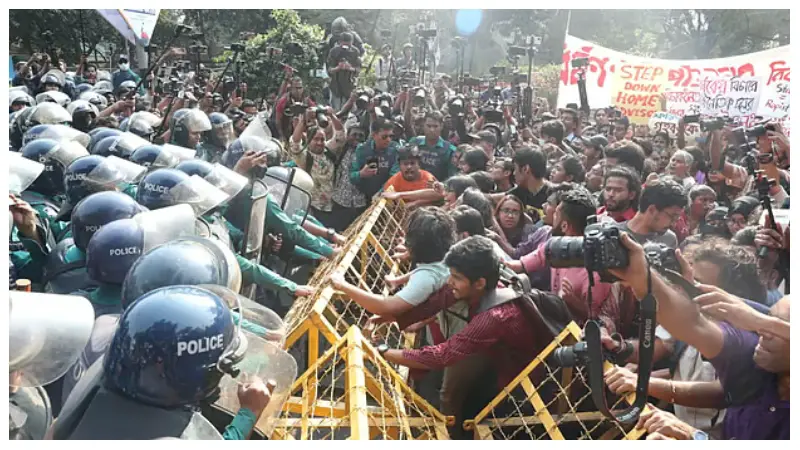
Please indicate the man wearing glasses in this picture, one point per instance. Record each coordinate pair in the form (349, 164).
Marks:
(296, 94)
(660, 206)
(375, 160)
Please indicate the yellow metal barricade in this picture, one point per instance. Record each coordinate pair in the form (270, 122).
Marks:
(351, 392)
(559, 407)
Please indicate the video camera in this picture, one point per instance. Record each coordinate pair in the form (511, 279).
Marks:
(383, 104)
(420, 96)
(457, 105)
(321, 116)
(362, 99)
(237, 47)
(296, 108)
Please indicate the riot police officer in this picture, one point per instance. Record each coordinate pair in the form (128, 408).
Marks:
(46, 334)
(167, 356)
(98, 134)
(83, 115)
(218, 138)
(66, 268)
(188, 128)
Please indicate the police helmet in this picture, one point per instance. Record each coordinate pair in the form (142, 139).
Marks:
(83, 114)
(19, 126)
(121, 146)
(239, 147)
(142, 124)
(218, 175)
(188, 260)
(95, 98)
(52, 79)
(167, 187)
(95, 173)
(83, 87)
(56, 157)
(339, 25)
(57, 97)
(154, 157)
(18, 97)
(48, 113)
(192, 121)
(172, 348)
(221, 133)
(57, 132)
(22, 172)
(97, 210)
(98, 134)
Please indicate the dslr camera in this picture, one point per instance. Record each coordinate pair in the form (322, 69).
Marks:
(237, 47)
(321, 116)
(661, 257)
(362, 99)
(383, 104)
(599, 249)
(420, 96)
(456, 106)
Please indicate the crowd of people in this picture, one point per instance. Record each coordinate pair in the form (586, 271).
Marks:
(135, 199)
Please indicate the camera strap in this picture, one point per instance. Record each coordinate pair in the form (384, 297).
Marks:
(647, 326)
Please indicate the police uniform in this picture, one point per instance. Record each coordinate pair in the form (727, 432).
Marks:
(66, 269)
(29, 260)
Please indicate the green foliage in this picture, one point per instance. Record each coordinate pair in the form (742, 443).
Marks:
(264, 74)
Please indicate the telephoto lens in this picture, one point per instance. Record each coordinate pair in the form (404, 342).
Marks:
(571, 356)
(565, 251)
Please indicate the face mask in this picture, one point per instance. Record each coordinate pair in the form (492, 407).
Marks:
(124, 66)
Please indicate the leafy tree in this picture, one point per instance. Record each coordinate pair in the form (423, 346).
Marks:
(263, 73)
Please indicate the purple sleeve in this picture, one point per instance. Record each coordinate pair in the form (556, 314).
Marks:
(736, 356)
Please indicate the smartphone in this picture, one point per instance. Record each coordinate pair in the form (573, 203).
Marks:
(372, 162)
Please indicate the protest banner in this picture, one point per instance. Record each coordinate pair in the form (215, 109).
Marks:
(634, 84)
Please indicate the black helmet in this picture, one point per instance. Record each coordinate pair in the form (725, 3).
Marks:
(97, 210)
(56, 157)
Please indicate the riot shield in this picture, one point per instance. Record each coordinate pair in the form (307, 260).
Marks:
(127, 143)
(47, 333)
(253, 242)
(22, 172)
(182, 153)
(160, 226)
(199, 193)
(282, 185)
(53, 97)
(63, 133)
(226, 179)
(269, 363)
(258, 127)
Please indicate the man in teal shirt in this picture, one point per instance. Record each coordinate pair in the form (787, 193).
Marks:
(435, 152)
(375, 160)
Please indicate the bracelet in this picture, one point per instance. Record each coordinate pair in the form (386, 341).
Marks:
(672, 388)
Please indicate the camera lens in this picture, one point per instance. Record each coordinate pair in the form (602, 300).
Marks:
(565, 251)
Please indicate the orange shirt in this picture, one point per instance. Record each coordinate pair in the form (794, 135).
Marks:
(401, 185)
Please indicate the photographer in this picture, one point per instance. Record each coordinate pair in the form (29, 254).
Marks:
(753, 368)
(318, 157)
(406, 62)
(571, 122)
(124, 73)
(375, 160)
(571, 284)
(30, 73)
(294, 98)
(344, 63)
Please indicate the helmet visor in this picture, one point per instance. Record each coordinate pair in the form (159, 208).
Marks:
(61, 132)
(127, 143)
(53, 97)
(67, 151)
(257, 128)
(227, 180)
(196, 121)
(49, 113)
(182, 153)
(46, 334)
(131, 172)
(165, 224)
(22, 172)
(223, 134)
(199, 193)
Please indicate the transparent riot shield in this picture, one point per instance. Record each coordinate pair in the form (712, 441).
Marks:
(47, 333)
(282, 186)
(258, 127)
(182, 153)
(22, 172)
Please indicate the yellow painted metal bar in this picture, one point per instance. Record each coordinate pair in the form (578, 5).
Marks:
(356, 386)
(483, 433)
(541, 410)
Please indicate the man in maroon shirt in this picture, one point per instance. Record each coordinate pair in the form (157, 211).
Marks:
(497, 325)
(296, 94)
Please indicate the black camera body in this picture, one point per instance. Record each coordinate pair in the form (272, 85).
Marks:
(420, 96)
(237, 47)
(714, 124)
(578, 63)
(426, 33)
(516, 52)
(497, 71)
(456, 105)
(322, 117)
(296, 108)
(661, 257)
(599, 249)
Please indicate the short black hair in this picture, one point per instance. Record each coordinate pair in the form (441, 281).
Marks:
(623, 120)
(534, 159)
(457, 184)
(484, 180)
(475, 198)
(435, 115)
(662, 193)
(247, 103)
(557, 190)
(475, 258)
(553, 129)
(574, 167)
(746, 236)
(468, 220)
(574, 114)
(664, 135)
(738, 268)
(627, 152)
(645, 144)
(576, 207)
(630, 175)
(382, 125)
(431, 231)
(476, 159)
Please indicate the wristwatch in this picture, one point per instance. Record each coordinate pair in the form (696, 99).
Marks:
(383, 348)
(331, 234)
(699, 435)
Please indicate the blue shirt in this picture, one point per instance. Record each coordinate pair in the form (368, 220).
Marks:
(387, 166)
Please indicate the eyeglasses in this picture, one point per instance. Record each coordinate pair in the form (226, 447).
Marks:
(385, 136)
(510, 212)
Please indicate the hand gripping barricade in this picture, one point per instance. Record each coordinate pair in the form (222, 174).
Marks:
(548, 401)
(264, 359)
(46, 334)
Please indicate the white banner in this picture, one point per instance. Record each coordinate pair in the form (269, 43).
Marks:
(634, 84)
(136, 25)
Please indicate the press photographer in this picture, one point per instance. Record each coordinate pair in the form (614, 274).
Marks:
(292, 103)
(344, 64)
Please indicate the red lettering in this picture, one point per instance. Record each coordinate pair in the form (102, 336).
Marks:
(569, 76)
(746, 69)
(778, 72)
